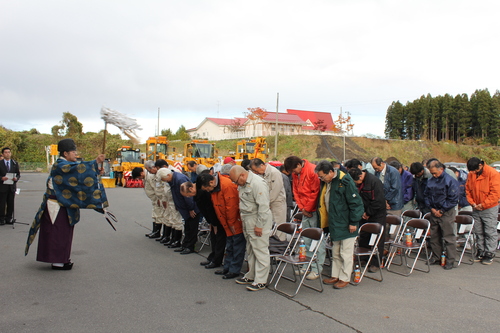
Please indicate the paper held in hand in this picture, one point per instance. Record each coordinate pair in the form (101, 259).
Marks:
(10, 176)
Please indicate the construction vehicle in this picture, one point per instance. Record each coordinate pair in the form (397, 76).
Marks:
(200, 151)
(127, 159)
(250, 149)
(157, 148)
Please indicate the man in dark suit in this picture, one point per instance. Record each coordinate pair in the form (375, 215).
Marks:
(7, 186)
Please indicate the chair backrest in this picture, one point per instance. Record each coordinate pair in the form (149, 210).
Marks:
(465, 223)
(412, 213)
(316, 234)
(464, 219)
(421, 228)
(393, 219)
(372, 228)
(288, 228)
(375, 229)
(418, 223)
(426, 216)
(394, 224)
(298, 217)
(465, 212)
(312, 233)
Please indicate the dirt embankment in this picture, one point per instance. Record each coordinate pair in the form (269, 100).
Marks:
(405, 151)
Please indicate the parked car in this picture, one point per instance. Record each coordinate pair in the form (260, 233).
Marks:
(458, 166)
(496, 165)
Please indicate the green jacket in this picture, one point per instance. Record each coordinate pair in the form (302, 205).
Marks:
(346, 207)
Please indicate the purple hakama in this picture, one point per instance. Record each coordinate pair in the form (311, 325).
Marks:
(54, 240)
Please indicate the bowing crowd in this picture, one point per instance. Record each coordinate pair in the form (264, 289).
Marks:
(243, 205)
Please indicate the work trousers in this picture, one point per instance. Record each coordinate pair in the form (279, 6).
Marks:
(235, 253)
(485, 229)
(171, 217)
(218, 243)
(191, 232)
(257, 250)
(442, 232)
(342, 258)
(156, 211)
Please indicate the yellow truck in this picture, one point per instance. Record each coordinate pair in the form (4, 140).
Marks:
(250, 149)
(201, 151)
(127, 159)
(157, 148)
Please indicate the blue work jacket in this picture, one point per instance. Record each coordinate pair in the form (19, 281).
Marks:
(441, 192)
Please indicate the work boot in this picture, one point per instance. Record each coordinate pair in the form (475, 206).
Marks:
(176, 239)
(152, 231)
(156, 231)
(487, 258)
(162, 234)
(478, 257)
(171, 238)
(166, 235)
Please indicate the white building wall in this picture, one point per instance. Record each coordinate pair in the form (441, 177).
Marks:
(213, 132)
(208, 130)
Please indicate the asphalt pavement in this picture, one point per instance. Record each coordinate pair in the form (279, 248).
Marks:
(124, 282)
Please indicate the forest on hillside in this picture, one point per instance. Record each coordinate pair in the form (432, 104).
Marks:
(460, 119)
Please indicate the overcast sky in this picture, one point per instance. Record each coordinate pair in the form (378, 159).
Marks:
(195, 59)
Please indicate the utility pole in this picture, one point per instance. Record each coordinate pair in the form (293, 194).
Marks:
(276, 126)
(158, 134)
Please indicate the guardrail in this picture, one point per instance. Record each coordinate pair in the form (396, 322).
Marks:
(33, 167)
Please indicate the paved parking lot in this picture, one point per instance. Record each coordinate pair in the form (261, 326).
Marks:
(124, 282)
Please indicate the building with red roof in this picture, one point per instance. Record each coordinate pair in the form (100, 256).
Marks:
(220, 129)
(316, 121)
(293, 122)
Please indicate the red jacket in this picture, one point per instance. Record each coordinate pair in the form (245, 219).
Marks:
(226, 201)
(134, 183)
(484, 189)
(306, 187)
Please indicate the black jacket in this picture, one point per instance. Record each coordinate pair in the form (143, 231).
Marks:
(371, 191)
(14, 168)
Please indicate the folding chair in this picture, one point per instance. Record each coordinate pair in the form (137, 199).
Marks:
(465, 224)
(411, 214)
(420, 229)
(408, 215)
(376, 230)
(203, 233)
(295, 211)
(281, 248)
(394, 225)
(300, 267)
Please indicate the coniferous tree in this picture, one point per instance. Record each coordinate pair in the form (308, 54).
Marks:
(446, 118)
(461, 108)
(481, 109)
